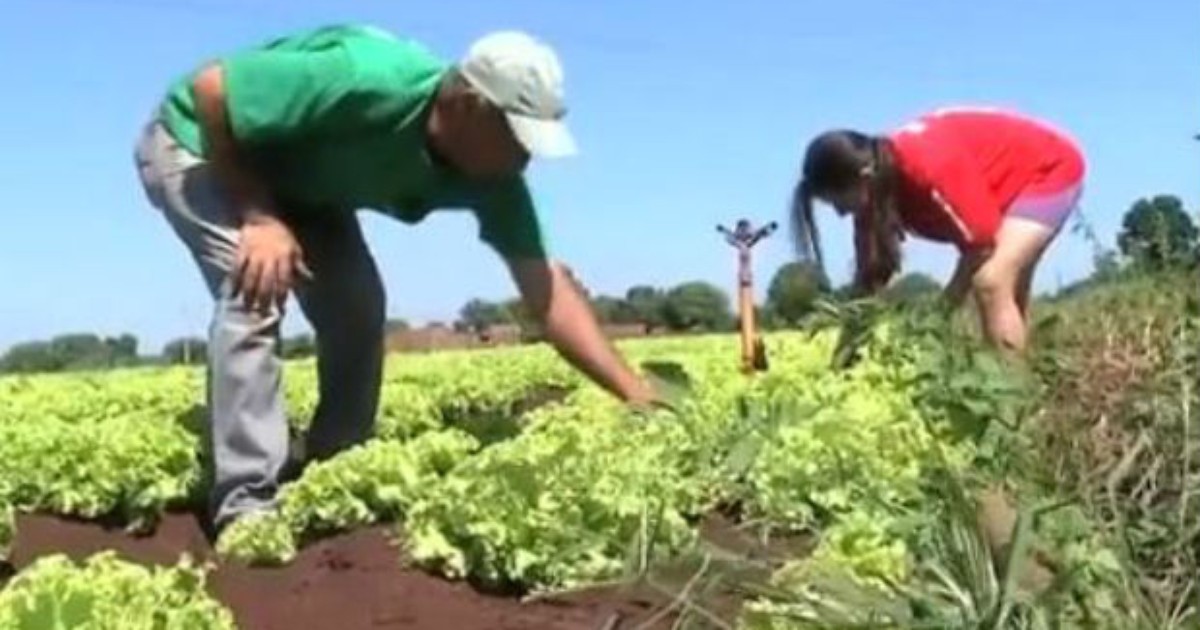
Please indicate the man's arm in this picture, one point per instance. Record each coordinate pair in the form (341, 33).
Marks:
(510, 225)
(571, 328)
(267, 252)
(250, 196)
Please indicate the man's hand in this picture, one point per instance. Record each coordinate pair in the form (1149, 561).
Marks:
(268, 260)
(552, 297)
(268, 257)
(650, 406)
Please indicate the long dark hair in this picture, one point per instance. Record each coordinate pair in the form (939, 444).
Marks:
(834, 161)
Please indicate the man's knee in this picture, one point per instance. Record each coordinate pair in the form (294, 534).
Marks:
(233, 314)
(241, 337)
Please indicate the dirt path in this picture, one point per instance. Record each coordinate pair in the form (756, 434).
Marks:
(352, 581)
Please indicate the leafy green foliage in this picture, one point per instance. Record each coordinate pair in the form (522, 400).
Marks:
(91, 398)
(508, 468)
(377, 481)
(125, 443)
(557, 506)
(131, 465)
(852, 448)
(106, 593)
(260, 539)
(8, 530)
(958, 581)
(846, 457)
(853, 462)
(962, 389)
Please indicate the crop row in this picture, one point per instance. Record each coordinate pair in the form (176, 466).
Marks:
(562, 495)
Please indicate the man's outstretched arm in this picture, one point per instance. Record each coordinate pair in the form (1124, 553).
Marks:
(571, 327)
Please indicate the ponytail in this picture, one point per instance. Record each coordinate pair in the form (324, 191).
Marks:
(878, 233)
(804, 227)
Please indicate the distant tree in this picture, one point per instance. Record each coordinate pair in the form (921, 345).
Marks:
(531, 330)
(517, 312)
(72, 351)
(396, 324)
(647, 305)
(29, 357)
(188, 350)
(1107, 265)
(478, 314)
(911, 286)
(794, 289)
(123, 348)
(614, 310)
(624, 313)
(1157, 232)
(698, 305)
(80, 351)
(604, 307)
(607, 309)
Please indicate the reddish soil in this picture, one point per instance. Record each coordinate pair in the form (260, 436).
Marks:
(351, 581)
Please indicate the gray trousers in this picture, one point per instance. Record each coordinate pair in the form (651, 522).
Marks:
(344, 303)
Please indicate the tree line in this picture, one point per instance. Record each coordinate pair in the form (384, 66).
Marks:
(1156, 233)
(89, 351)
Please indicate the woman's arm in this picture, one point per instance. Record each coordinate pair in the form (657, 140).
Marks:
(956, 290)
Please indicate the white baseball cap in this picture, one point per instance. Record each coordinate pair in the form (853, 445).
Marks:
(523, 77)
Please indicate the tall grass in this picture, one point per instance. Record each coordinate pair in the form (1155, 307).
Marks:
(1119, 431)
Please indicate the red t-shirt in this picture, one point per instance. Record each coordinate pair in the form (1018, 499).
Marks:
(961, 169)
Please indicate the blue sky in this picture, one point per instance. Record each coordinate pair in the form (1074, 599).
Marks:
(687, 114)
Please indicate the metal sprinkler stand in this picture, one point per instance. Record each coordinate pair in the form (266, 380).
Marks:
(743, 237)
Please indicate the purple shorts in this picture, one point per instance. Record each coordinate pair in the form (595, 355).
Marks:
(1050, 210)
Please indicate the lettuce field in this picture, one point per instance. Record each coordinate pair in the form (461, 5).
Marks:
(503, 491)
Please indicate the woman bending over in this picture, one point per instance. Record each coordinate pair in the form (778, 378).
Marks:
(997, 185)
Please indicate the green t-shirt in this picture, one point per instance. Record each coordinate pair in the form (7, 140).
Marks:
(334, 118)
